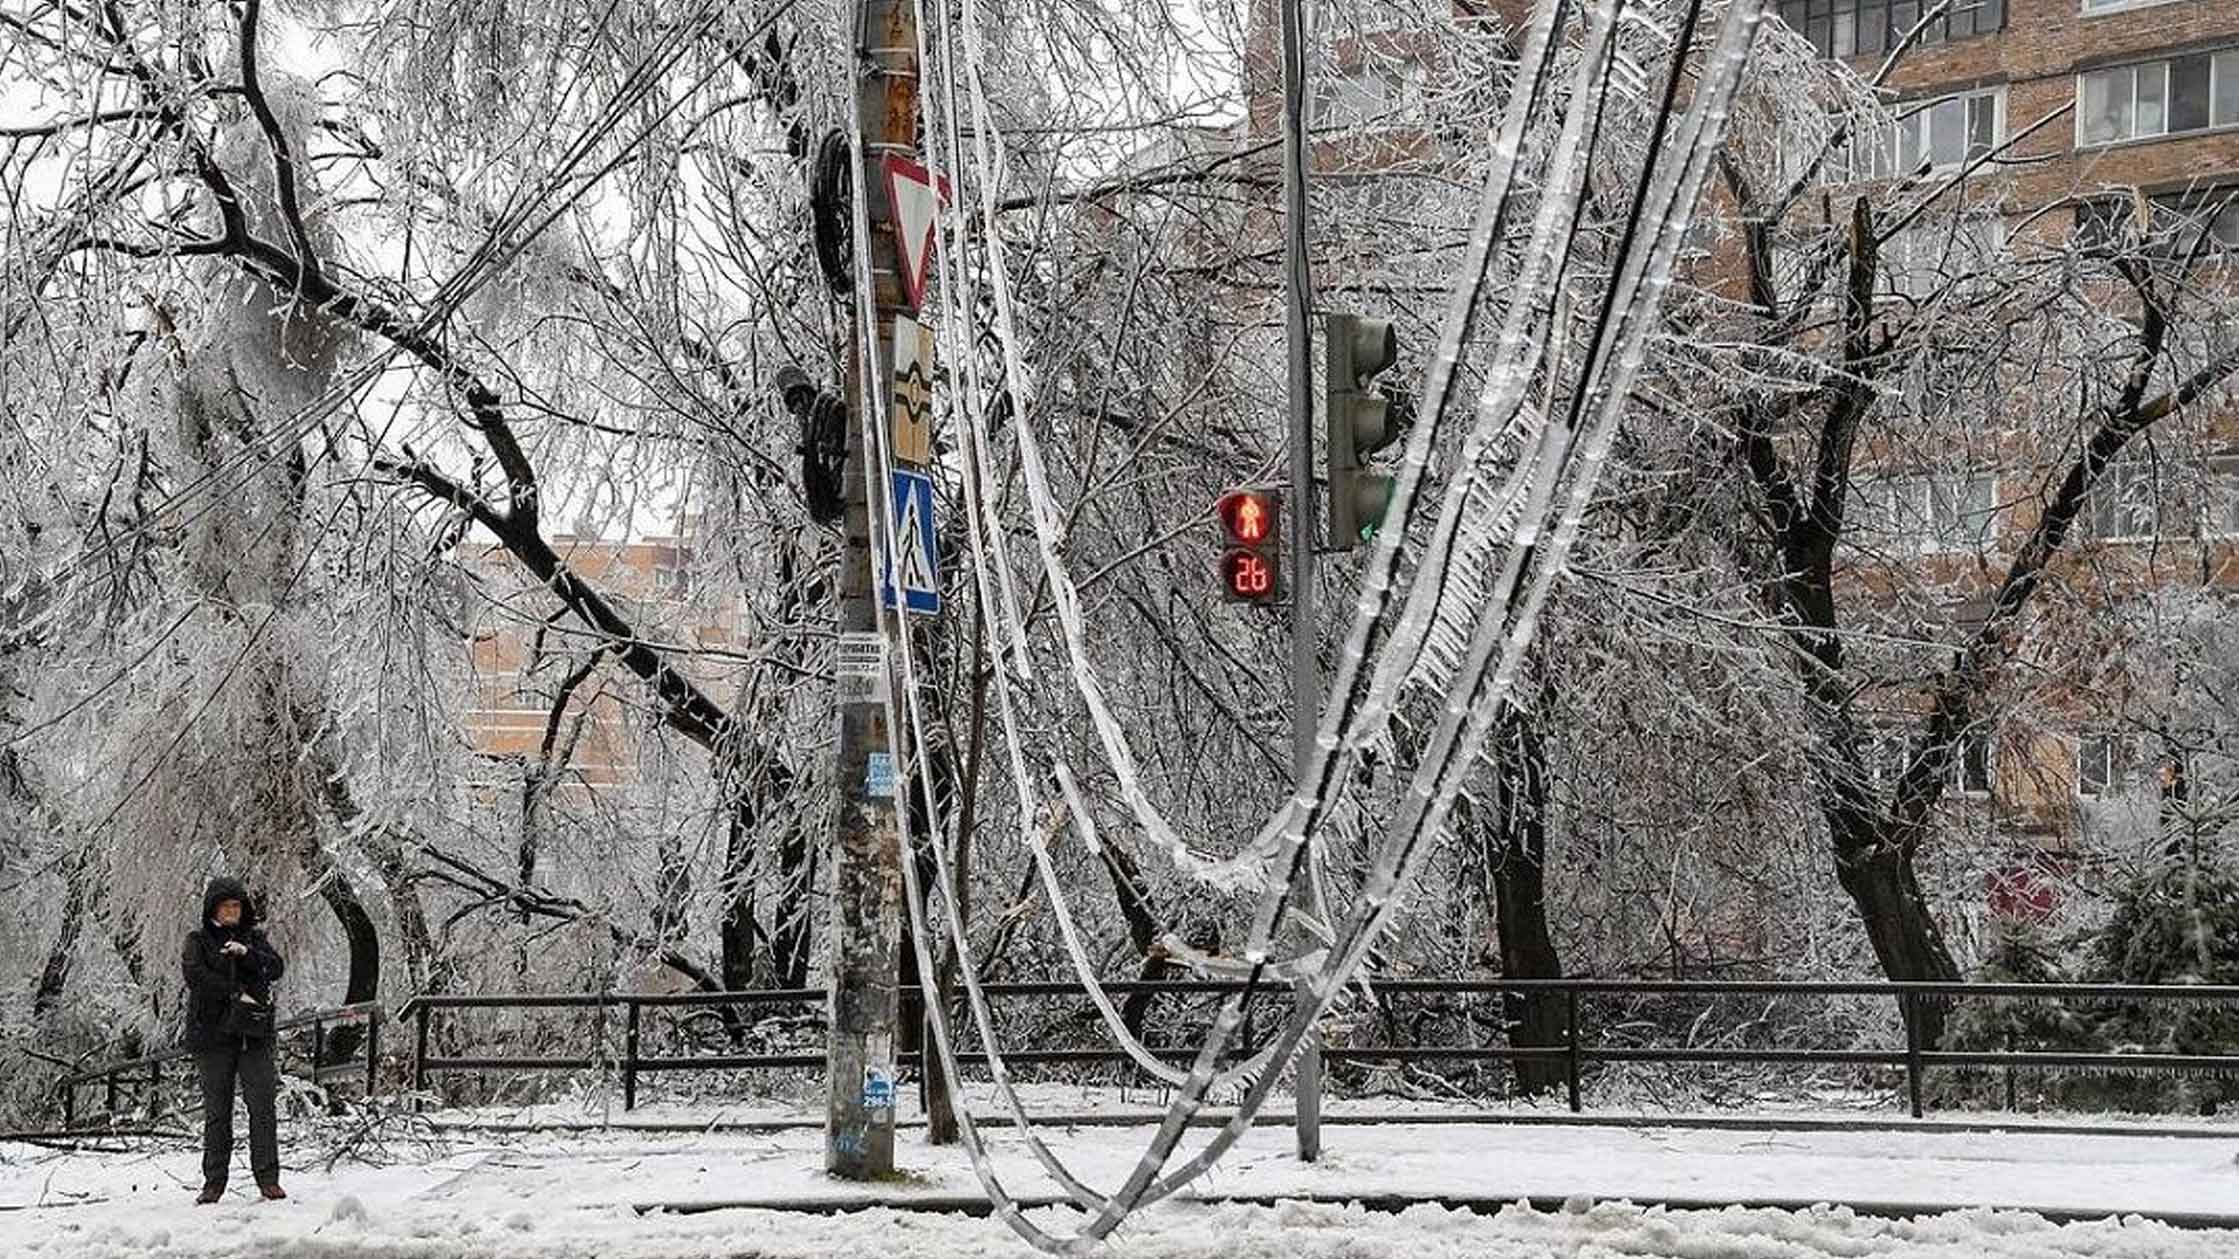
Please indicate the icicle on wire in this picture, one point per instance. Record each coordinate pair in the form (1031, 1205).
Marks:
(1674, 192)
(1379, 903)
(1230, 1013)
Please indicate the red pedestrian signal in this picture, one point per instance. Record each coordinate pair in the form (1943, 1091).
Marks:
(1251, 527)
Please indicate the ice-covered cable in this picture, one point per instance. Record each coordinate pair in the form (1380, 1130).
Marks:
(906, 718)
(1272, 901)
(1637, 296)
(1472, 525)
(1637, 302)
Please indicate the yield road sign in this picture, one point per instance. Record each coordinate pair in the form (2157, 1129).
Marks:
(909, 190)
(910, 577)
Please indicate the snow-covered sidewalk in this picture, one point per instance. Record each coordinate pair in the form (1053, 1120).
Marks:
(573, 1195)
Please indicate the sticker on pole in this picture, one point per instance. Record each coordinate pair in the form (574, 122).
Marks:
(911, 580)
(878, 776)
(917, 207)
(912, 411)
(861, 669)
(878, 1088)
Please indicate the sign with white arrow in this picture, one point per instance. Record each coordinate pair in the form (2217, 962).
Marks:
(917, 208)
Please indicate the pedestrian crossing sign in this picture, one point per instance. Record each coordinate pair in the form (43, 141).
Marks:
(910, 576)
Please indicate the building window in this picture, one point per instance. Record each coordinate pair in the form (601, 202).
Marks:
(1934, 135)
(2138, 499)
(672, 581)
(1366, 96)
(2125, 505)
(2180, 225)
(1972, 764)
(2158, 98)
(1883, 748)
(1849, 28)
(1934, 254)
(1943, 512)
(2223, 497)
(1887, 751)
(2106, 762)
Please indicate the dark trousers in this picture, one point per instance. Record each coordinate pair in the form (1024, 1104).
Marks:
(251, 1064)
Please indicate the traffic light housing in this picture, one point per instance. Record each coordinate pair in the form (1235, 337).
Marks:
(1251, 523)
(1361, 421)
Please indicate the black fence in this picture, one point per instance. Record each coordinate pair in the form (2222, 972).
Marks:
(137, 1085)
(1590, 1033)
(1584, 1041)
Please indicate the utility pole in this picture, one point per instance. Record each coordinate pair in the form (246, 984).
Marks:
(1306, 680)
(866, 857)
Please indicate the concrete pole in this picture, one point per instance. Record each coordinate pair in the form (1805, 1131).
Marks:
(866, 854)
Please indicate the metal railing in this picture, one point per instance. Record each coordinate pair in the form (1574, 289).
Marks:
(118, 1079)
(1910, 1002)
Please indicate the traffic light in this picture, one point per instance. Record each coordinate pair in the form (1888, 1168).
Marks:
(1361, 422)
(1251, 525)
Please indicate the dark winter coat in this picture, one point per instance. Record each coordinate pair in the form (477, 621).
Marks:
(215, 978)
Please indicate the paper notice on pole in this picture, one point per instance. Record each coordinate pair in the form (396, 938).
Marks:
(878, 776)
(862, 669)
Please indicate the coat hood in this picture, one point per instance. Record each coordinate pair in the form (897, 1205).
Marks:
(224, 889)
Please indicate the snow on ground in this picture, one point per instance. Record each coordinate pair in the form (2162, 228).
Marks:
(570, 1196)
(1287, 1231)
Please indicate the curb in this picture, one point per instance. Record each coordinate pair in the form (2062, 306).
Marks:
(1475, 1204)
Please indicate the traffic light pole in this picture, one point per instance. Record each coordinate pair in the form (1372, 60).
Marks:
(1306, 681)
(866, 857)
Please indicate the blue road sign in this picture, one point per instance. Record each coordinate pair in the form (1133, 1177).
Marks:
(911, 577)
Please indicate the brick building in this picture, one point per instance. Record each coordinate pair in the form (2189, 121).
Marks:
(2074, 123)
(2063, 123)
(521, 662)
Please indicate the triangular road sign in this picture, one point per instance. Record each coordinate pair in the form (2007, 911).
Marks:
(917, 208)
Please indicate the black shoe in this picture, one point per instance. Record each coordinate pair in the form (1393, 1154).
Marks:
(272, 1192)
(209, 1194)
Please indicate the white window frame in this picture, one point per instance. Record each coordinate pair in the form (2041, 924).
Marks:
(1886, 751)
(1403, 77)
(1884, 160)
(2221, 61)
(1983, 233)
(2208, 502)
(2131, 470)
(1983, 736)
(1957, 542)
(1888, 754)
(2089, 9)
(673, 582)
(1922, 495)
(2123, 758)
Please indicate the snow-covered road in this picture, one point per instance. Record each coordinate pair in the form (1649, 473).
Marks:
(550, 1196)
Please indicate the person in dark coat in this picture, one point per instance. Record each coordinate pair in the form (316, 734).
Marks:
(230, 964)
